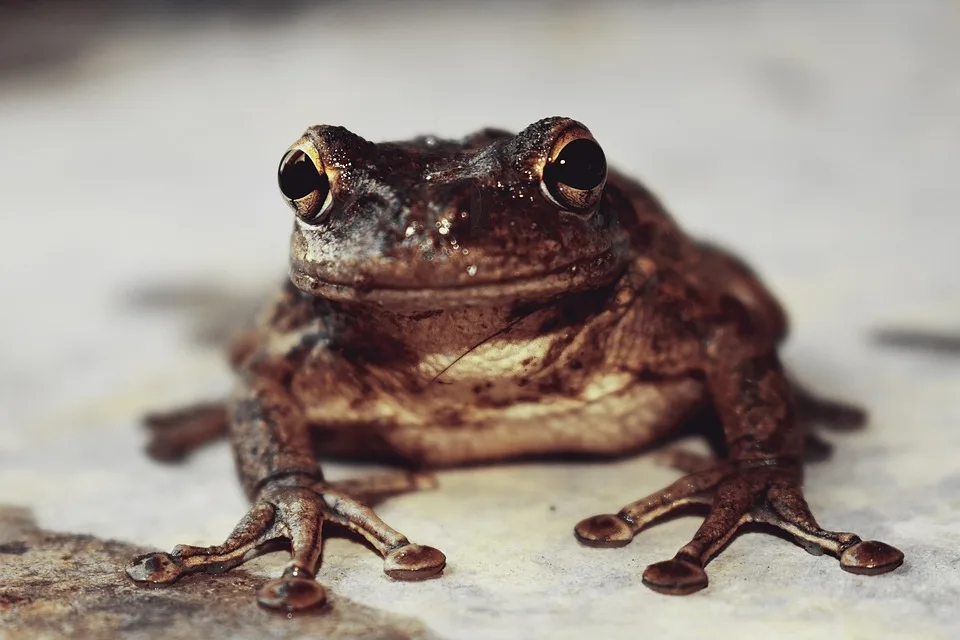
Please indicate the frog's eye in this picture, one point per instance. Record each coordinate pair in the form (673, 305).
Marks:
(575, 172)
(304, 182)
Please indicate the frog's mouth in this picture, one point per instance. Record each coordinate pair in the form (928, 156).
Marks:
(577, 275)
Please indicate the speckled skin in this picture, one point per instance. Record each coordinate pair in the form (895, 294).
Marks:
(446, 306)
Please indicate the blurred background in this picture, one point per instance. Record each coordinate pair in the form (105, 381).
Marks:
(139, 218)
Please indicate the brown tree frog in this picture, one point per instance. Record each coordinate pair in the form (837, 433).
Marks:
(493, 298)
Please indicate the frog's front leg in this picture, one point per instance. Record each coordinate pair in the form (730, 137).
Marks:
(291, 501)
(760, 482)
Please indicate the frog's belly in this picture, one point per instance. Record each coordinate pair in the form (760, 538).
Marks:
(452, 424)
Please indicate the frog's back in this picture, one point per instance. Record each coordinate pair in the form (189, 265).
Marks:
(657, 238)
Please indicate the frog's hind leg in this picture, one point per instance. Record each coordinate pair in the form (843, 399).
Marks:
(730, 274)
(618, 530)
(176, 434)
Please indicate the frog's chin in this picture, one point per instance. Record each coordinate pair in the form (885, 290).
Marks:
(578, 276)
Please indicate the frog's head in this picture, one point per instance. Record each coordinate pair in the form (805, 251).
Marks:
(429, 223)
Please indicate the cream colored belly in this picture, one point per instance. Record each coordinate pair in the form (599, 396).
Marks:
(469, 421)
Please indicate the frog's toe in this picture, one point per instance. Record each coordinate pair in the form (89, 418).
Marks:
(414, 562)
(788, 510)
(402, 560)
(617, 530)
(154, 568)
(253, 532)
(295, 591)
(870, 557)
(604, 531)
(676, 577)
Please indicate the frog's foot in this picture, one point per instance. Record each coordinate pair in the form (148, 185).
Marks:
(292, 510)
(175, 434)
(734, 496)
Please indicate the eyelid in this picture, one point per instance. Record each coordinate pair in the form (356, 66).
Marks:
(564, 138)
(306, 145)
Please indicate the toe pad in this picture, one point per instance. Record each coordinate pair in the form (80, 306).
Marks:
(675, 577)
(291, 594)
(604, 531)
(870, 557)
(414, 562)
(154, 568)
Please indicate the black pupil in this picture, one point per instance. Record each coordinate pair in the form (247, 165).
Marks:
(580, 165)
(298, 177)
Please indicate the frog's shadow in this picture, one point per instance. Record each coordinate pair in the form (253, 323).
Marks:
(914, 339)
(214, 313)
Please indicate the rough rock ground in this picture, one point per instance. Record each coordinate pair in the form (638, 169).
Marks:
(58, 585)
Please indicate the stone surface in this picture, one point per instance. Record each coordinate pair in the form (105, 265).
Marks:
(819, 139)
(59, 585)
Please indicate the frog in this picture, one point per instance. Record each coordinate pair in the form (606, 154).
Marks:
(500, 297)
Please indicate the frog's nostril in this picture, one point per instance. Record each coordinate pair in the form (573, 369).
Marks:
(298, 177)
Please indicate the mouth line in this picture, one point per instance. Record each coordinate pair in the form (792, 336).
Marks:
(463, 286)
(546, 282)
